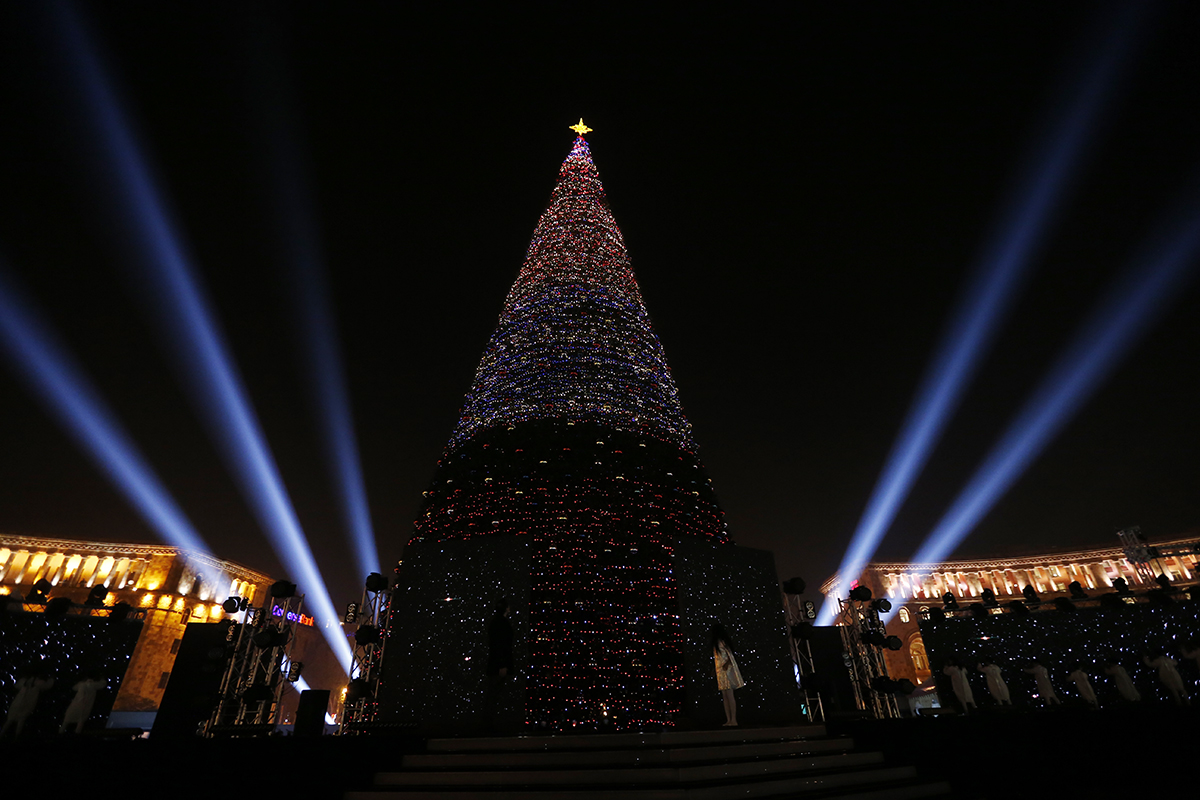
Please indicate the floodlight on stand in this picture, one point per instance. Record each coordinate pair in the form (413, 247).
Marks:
(989, 598)
(1163, 581)
(271, 637)
(950, 602)
(1076, 590)
(881, 604)
(230, 605)
(1120, 586)
(357, 690)
(57, 607)
(376, 582)
(794, 586)
(367, 634)
(95, 598)
(860, 593)
(1031, 596)
(876, 638)
(283, 589)
(119, 612)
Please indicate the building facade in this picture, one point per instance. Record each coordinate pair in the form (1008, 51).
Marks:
(915, 588)
(163, 583)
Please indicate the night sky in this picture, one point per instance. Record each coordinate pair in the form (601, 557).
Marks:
(803, 189)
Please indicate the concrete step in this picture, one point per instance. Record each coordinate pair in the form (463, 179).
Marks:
(616, 741)
(823, 784)
(631, 775)
(592, 758)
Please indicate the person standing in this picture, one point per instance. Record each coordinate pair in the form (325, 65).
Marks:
(729, 677)
(500, 659)
(1129, 692)
(1083, 685)
(1045, 689)
(82, 703)
(959, 683)
(1169, 676)
(30, 686)
(997, 688)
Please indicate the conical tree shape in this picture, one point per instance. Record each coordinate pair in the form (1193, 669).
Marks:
(572, 434)
(574, 340)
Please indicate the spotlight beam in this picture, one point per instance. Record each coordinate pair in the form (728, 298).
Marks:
(1116, 323)
(178, 305)
(51, 374)
(314, 318)
(998, 275)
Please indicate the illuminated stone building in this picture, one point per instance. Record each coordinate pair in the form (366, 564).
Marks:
(163, 583)
(572, 486)
(1050, 574)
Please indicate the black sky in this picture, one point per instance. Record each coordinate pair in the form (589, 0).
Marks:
(803, 190)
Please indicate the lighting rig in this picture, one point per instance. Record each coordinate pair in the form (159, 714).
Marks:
(371, 616)
(800, 615)
(253, 680)
(864, 636)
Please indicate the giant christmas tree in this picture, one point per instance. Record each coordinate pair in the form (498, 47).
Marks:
(573, 450)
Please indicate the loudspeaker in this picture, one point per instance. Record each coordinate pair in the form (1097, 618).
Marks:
(310, 713)
(195, 682)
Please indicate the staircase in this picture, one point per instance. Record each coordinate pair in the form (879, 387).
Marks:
(799, 761)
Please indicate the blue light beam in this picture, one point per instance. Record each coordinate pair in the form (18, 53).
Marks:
(999, 273)
(316, 326)
(179, 307)
(52, 375)
(1116, 323)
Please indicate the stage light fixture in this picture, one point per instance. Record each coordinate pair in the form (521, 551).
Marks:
(1076, 590)
(178, 304)
(1064, 604)
(357, 689)
(988, 597)
(860, 593)
(230, 606)
(96, 596)
(57, 607)
(876, 638)
(1031, 596)
(283, 589)
(120, 612)
(1018, 608)
(794, 586)
(893, 643)
(376, 582)
(949, 602)
(882, 604)
(978, 610)
(270, 637)
(1000, 270)
(367, 634)
(935, 614)
(1120, 586)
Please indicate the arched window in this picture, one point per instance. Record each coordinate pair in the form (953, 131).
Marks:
(916, 651)
(904, 614)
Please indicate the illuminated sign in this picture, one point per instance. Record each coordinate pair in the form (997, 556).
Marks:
(292, 616)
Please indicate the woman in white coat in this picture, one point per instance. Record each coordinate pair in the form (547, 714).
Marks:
(729, 677)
